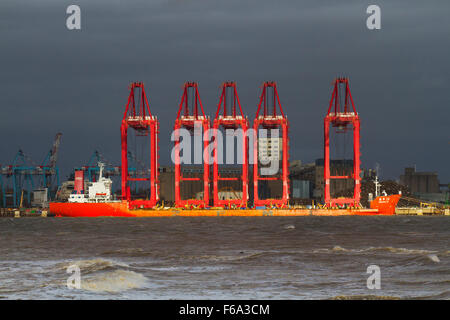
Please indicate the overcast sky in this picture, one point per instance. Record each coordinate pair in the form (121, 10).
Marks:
(53, 79)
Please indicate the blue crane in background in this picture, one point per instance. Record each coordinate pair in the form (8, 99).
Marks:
(91, 169)
(25, 175)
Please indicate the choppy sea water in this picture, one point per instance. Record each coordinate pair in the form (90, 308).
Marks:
(225, 258)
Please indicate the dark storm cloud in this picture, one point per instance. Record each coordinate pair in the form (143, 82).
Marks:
(76, 82)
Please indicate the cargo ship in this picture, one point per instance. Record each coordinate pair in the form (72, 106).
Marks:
(98, 202)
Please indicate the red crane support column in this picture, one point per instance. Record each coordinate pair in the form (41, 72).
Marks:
(271, 121)
(138, 117)
(230, 121)
(342, 119)
(189, 121)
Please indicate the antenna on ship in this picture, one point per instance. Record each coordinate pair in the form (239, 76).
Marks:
(377, 186)
(101, 165)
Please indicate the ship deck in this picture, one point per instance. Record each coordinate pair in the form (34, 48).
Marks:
(120, 209)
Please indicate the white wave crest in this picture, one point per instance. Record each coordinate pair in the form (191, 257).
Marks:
(114, 281)
(375, 249)
(434, 258)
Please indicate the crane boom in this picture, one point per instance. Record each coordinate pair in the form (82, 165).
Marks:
(54, 151)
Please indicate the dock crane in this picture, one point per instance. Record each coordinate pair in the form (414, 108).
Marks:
(269, 120)
(48, 166)
(230, 119)
(91, 168)
(343, 117)
(137, 116)
(24, 173)
(197, 123)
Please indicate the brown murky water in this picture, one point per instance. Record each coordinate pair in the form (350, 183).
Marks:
(224, 258)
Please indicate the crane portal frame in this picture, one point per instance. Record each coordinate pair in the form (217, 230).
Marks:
(189, 121)
(143, 122)
(230, 121)
(271, 121)
(342, 119)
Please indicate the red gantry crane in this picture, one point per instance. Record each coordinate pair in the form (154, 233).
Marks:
(138, 117)
(229, 119)
(343, 118)
(193, 122)
(271, 153)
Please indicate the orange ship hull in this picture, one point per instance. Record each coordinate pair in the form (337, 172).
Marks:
(384, 206)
